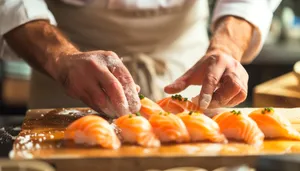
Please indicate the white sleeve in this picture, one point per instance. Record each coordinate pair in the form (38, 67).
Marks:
(257, 12)
(14, 13)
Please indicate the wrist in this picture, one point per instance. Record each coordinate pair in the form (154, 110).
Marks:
(232, 36)
(56, 56)
(230, 49)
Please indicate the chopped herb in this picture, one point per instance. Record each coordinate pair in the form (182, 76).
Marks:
(141, 96)
(130, 115)
(178, 97)
(191, 112)
(267, 110)
(160, 112)
(235, 112)
(138, 114)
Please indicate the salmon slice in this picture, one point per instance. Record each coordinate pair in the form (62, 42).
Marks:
(201, 127)
(177, 104)
(93, 130)
(238, 126)
(169, 128)
(273, 124)
(137, 129)
(148, 107)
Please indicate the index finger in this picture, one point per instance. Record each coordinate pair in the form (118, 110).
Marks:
(119, 70)
(211, 77)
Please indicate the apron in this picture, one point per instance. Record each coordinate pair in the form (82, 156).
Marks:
(156, 45)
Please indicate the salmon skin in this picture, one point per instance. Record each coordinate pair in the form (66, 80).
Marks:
(137, 130)
(273, 124)
(93, 130)
(201, 127)
(238, 126)
(178, 104)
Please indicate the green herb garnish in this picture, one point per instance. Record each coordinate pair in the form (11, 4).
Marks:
(267, 110)
(178, 97)
(141, 96)
(235, 112)
(130, 115)
(138, 114)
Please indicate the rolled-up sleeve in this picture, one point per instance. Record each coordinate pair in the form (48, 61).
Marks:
(257, 12)
(14, 13)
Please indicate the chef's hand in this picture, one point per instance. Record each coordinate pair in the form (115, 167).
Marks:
(223, 78)
(100, 80)
(215, 71)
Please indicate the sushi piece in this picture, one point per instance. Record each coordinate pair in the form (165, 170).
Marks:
(93, 130)
(177, 104)
(148, 107)
(169, 128)
(273, 124)
(235, 125)
(201, 127)
(137, 129)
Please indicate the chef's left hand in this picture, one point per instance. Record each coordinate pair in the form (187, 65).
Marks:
(215, 71)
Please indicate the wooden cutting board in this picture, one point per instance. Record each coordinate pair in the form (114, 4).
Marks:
(42, 138)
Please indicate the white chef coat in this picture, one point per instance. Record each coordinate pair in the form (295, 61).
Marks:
(13, 13)
(180, 52)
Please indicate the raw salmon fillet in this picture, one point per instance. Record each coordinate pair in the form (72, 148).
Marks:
(177, 104)
(137, 129)
(93, 130)
(148, 107)
(273, 124)
(201, 127)
(169, 128)
(238, 126)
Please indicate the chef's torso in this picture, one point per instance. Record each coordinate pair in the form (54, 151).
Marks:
(175, 36)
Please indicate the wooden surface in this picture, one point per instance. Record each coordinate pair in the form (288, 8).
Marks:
(283, 91)
(42, 138)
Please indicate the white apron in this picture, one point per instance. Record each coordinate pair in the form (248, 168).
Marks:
(157, 46)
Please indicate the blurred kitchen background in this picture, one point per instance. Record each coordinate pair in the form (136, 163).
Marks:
(280, 52)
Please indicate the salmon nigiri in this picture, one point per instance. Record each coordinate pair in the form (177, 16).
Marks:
(148, 107)
(137, 129)
(238, 126)
(169, 127)
(273, 124)
(93, 130)
(201, 127)
(177, 104)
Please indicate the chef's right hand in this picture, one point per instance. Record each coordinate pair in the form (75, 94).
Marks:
(100, 80)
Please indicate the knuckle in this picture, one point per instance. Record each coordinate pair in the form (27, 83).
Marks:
(113, 85)
(92, 62)
(126, 79)
(110, 53)
(212, 80)
(243, 95)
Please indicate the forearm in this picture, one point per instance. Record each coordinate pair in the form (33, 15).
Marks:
(40, 44)
(232, 35)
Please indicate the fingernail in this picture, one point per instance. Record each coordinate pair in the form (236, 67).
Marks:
(204, 103)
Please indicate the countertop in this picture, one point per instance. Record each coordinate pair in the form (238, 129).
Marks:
(10, 126)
